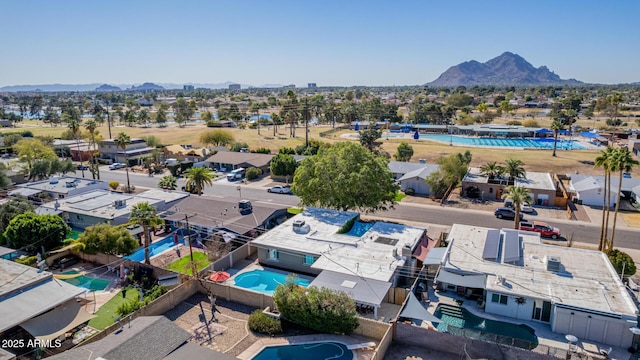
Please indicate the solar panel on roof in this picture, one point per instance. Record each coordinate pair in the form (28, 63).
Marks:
(512, 250)
(491, 245)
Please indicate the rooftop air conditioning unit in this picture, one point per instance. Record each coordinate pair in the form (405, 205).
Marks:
(53, 180)
(299, 226)
(553, 263)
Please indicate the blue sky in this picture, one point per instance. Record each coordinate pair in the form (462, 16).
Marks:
(328, 42)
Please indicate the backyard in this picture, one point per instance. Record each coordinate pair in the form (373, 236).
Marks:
(183, 265)
(107, 314)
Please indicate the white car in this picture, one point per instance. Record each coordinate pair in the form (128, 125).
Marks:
(526, 208)
(116, 166)
(279, 189)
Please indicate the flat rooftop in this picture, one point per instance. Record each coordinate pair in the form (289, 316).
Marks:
(586, 278)
(375, 254)
(64, 184)
(102, 203)
(534, 180)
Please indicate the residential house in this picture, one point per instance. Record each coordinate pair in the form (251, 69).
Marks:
(574, 291)
(230, 160)
(33, 304)
(185, 153)
(137, 149)
(416, 180)
(399, 168)
(103, 206)
(145, 337)
(541, 186)
(80, 149)
(59, 187)
(588, 189)
(209, 216)
(363, 259)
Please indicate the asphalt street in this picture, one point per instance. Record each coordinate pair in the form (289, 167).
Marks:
(445, 216)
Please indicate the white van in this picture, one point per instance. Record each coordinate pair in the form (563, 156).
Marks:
(236, 174)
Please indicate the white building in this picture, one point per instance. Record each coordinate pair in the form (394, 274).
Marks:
(136, 149)
(60, 187)
(575, 291)
(589, 188)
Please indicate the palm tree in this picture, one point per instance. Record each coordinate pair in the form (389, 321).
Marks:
(615, 99)
(622, 161)
(198, 177)
(91, 127)
(144, 215)
(556, 126)
(604, 161)
(515, 169)
(492, 170)
(168, 182)
(74, 124)
(123, 140)
(518, 195)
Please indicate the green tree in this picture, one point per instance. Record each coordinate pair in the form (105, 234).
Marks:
(345, 176)
(107, 239)
(492, 170)
(506, 106)
(14, 206)
(404, 152)
(515, 169)
(145, 215)
(168, 182)
(5, 182)
(216, 138)
(91, 126)
(451, 171)
(556, 126)
(369, 139)
(143, 117)
(622, 161)
(283, 165)
(75, 125)
(29, 231)
(519, 195)
(161, 117)
(30, 150)
(323, 310)
(206, 116)
(615, 99)
(197, 178)
(122, 141)
(620, 261)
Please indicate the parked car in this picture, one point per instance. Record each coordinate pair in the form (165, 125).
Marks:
(526, 208)
(543, 228)
(82, 167)
(116, 166)
(236, 174)
(506, 213)
(279, 189)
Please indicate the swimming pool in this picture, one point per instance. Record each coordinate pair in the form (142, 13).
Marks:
(314, 351)
(535, 143)
(264, 281)
(154, 249)
(454, 316)
(90, 283)
(359, 228)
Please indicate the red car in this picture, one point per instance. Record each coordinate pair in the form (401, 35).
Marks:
(543, 228)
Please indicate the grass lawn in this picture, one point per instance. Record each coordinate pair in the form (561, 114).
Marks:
(294, 210)
(183, 265)
(400, 195)
(104, 314)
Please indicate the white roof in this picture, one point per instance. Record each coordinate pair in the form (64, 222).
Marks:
(64, 184)
(583, 180)
(421, 173)
(534, 180)
(587, 279)
(374, 255)
(401, 167)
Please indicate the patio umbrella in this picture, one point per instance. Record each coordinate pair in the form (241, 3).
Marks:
(356, 128)
(219, 276)
(416, 136)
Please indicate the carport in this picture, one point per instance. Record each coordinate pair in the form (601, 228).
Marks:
(362, 291)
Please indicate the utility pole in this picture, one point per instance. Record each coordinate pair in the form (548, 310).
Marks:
(306, 121)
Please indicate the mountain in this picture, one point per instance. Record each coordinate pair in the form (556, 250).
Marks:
(506, 69)
(50, 87)
(107, 87)
(146, 86)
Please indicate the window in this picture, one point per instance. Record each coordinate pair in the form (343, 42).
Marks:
(273, 254)
(497, 298)
(308, 259)
(490, 190)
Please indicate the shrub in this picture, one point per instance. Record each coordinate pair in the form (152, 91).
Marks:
(129, 307)
(262, 150)
(261, 323)
(253, 173)
(29, 260)
(514, 123)
(238, 146)
(114, 185)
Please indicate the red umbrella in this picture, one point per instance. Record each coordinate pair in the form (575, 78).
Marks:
(219, 276)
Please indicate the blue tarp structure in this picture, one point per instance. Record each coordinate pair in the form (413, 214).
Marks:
(543, 131)
(564, 132)
(590, 135)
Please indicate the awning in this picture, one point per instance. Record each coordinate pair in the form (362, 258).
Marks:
(467, 280)
(24, 192)
(413, 309)
(424, 248)
(56, 322)
(361, 290)
(435, 256)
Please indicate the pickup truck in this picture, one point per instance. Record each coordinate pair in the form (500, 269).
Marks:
(543, 228)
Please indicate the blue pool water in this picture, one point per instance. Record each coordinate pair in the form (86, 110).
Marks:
(154, 249)
(315, 351)
(359, 228)
(264, 281)
(461, 318)
(539, 143)
(90, 283)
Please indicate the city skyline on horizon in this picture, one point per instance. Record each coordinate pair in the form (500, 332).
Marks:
(329, 43)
